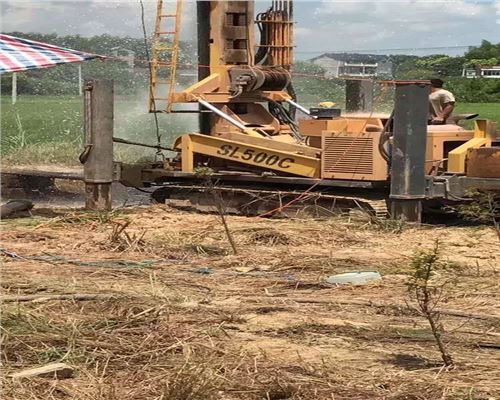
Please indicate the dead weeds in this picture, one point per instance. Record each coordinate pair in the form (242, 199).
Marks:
(239, 331)
(263, 236)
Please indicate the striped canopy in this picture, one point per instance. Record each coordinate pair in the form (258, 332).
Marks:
(18, 54)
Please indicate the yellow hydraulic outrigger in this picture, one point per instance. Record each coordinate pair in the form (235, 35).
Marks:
(484, 133)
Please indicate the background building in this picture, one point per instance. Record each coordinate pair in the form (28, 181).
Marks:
(354, 65)
(491, 72)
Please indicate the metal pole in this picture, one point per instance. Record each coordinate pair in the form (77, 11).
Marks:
(220, 113)
(14, 88)
(98, 153)
(408, 151)
(80, 81)
(359, 95)
(298, 107)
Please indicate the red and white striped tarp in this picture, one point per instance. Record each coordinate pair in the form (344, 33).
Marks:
(18, 54)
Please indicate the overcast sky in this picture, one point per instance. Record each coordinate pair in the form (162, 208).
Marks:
(321, 25)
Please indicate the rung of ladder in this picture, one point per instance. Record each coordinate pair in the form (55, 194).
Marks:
(165, 54)
(160, 50)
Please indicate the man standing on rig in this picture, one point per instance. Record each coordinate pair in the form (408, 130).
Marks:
(441, 103)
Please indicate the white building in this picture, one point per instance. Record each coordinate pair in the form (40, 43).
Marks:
(491, 72)
(354, 65)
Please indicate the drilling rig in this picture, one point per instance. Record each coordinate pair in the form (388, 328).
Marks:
(266, 152)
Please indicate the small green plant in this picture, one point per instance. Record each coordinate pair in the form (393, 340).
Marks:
(203, 172)
(428, 292)
(19, 140)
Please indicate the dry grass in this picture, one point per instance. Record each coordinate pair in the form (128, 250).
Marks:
(261, 324)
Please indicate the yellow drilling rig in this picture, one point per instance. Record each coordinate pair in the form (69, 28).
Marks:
(266, 152)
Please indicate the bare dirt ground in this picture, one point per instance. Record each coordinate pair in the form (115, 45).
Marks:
(181, 317)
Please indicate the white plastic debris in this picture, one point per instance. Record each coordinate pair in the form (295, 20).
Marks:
(55, 370)
(354, 278)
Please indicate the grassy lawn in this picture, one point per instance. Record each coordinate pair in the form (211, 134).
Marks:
(48, 129)
(485, 110)
(41, 129)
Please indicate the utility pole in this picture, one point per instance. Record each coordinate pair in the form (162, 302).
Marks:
(97, 158)
(408, 151)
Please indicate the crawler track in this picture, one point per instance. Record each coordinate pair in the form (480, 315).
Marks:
(265, 202)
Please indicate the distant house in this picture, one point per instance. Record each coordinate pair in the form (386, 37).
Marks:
(354, 65)
(492, 72)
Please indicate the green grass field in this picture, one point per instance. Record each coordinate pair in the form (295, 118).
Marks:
(485, 110)
(48, 129)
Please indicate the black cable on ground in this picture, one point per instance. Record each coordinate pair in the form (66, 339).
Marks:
(132, 143)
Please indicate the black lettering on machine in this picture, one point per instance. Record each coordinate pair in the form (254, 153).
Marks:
(259, 157)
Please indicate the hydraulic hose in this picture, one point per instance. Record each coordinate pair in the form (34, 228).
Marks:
(384, 137)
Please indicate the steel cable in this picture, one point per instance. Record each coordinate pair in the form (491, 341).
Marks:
(150, 69)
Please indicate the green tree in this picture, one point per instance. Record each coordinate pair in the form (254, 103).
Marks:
(429, 66)
(308, 68)
(312, 87)
(486, 51)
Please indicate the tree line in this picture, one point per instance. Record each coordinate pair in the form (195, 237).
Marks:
(63, 80)
(450, 70)
(441, 66)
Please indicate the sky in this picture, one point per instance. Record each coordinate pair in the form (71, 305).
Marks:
(384, 27)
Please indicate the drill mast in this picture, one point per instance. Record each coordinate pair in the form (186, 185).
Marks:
(237, 77)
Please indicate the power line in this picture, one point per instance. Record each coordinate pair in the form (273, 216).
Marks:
(150, 69)
(379, 50)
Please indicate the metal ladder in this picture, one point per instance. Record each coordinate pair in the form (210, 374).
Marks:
(165, 55)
